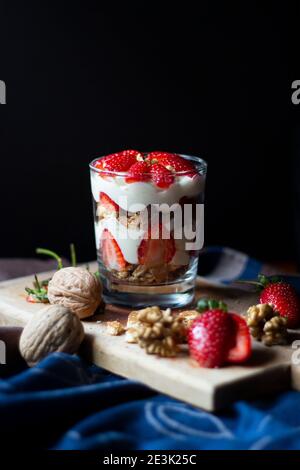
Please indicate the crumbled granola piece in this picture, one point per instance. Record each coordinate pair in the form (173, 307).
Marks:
(132, 319)
(125, 273)
(122, 274)
(102, 211)
(139, 271)
(131, 335)
(114, 328)
(140, 274)
(160, 273)
(134, 221)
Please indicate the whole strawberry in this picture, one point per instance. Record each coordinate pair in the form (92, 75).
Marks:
(217, 337)
(282, 296)
(210, 338)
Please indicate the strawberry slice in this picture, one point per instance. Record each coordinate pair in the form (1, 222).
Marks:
(139, 171)
(158, 156)
(112, 255)
(161, 176)
(118, 162)
(172, 162)
(109, 205)
(241, 350)
(154, 252)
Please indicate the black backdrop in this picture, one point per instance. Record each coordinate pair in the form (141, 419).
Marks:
(86, 78)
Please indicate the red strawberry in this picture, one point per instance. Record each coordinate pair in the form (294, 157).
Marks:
(210, 338)
(241, 350)
(156, 251)
(161, 176)
(217, 337)
(139, 171)
(159, 156)
(118, 162)
(283, 297)
(109, 204)
(172, 162)
(112, 255)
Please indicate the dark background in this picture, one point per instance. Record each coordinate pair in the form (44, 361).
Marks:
(85, 79)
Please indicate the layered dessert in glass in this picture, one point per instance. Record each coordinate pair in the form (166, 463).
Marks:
(148, 212)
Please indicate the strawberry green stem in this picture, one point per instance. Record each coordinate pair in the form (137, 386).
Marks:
(73, 255)
(209, 304)
(262, 281)
(257, 284)
(44, 251)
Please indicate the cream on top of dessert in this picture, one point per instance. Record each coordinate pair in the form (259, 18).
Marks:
(126, 195)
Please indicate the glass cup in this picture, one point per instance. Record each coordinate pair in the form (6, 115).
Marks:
(149, 234)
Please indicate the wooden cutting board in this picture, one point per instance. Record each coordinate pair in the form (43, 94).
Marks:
(269, 369)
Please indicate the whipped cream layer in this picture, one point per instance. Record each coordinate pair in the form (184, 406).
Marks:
(133, 197)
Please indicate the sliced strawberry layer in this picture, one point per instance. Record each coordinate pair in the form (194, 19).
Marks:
(108, 203)
(118, 162)
(161, 176)
(241, 349)
(158, 167)
(154, 252)
(139, 171)
(112, 255)
(159, 156)
(172, 162)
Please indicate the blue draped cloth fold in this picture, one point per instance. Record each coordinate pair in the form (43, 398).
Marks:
(65, 403)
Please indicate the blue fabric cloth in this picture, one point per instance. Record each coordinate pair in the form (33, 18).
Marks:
(64, 403)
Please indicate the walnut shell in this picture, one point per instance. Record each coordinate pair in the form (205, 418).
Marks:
(77, 289)
(53, 329)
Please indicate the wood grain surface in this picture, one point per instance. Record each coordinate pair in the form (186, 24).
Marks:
(268, 370)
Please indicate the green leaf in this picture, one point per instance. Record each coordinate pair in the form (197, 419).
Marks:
(274, 279)
(202, 305)
(29, 291)
(223, 306)
(263, 280)
(210, 304)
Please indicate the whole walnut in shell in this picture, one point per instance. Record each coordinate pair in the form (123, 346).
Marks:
(51, 329)
(77, 289)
